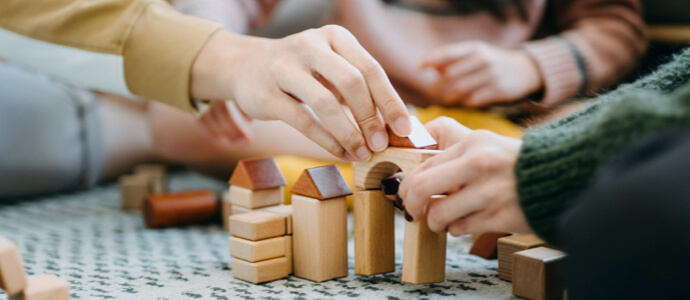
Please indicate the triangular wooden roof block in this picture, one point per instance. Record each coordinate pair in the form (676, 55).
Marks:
(257, 174)
(418, 138)
(321, 183)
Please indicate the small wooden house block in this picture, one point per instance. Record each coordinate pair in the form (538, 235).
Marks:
(12, 276)
(156, 176)
(418, 138)
(486, 245)
(511, 244)
(374, 233)
(257, 174)
(262, 271)
(257, 225)
(424, 253)
(254, 251)
(44, 287)
(321, 183)
(538, 273)
(133, 191)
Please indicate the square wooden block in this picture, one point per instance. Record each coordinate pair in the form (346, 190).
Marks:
(253, 251)
(134, 189)
(257, 225)
(12, 276)
(44, 287)
(284, 210)
(538, 273)
(155, 175)
(255, 198)
(511, 244)
(259, 272)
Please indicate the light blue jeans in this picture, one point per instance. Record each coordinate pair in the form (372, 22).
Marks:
(50, 135)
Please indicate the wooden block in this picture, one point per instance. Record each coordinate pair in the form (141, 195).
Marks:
(12, 276)
(284, 210)
(257, 225)
(538, 273)
(247, 198)
(319, 238)
(238, 210)
(486, 245)
(156, 176)
(226, 207)
(180, 208)
(44, 287)
(134, 189)
(253, 251)
(257, 174)
(259, 272)
(511, 244)
(321, 183)
(288, 252)
(424, 253)
(368, 175)
(418, 138)
(374, 233)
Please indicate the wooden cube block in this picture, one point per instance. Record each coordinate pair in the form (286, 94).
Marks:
(424, 254)
(253, 251)
(134, 189)
(284, 210)
(259, 272)
(374, 233)
(12, 276)
(257, 225)
(511, 244)
(155, 175)
(44, 287)
(288, 252)
(538, 273)
(319, 238)
(255, 198)
(486, 245)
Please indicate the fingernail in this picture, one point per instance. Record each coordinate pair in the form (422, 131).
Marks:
(379, 141)
(390, 186)
(402, 124)
(399, 202)
(408, 217)
(363, 153)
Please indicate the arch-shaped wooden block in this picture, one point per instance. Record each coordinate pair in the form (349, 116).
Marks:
(368, 175)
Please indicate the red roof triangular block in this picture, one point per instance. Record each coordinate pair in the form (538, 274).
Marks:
(418, 138)
(321, 183)
(257, 174)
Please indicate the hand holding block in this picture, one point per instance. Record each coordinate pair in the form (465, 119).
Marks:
(538, 273)
(511, 244)
(253, 251)
(486, 244)
(419, 137)
(253, 199)
(259, 272)
(12, 276)
(257, 225)
(181, 208)
(44, 287)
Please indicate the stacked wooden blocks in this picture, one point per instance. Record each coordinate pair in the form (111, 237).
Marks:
(255, 184)
(13, 280)
(261, 245)
(146, 180)
(320, 224)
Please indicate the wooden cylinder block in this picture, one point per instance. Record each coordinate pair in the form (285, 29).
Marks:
(181, 208)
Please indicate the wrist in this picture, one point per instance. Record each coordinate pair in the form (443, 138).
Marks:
(531, 73)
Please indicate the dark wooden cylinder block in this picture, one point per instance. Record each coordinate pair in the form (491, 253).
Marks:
(180, 208)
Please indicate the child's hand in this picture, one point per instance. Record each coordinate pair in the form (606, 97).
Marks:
(476, 171)
(225, 120)
(477, 74)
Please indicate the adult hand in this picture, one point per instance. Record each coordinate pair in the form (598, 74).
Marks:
(477, 74)
(224, 119)
(476, 171)
(302, 79)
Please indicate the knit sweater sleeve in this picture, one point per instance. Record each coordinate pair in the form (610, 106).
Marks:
(557, 161)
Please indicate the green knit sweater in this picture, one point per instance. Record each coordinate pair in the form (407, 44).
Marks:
(557, 161)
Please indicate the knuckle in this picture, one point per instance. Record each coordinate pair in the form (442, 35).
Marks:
(324, 103)
(352, 139)
(332, 29)
(304, 122)
(352, 80)
(370, 69)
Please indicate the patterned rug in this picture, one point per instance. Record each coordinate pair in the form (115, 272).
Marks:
(107, 253)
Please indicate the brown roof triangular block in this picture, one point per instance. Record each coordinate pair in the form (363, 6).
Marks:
(257, 174)
(321, 183)
(418, 138)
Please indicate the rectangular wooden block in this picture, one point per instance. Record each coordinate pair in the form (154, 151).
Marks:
(253, 251)
(133, 191)
(155, 175)
(12, 276)
(486, 245)
(285, 210)
(257, 225)
(319, 238)
(288, 252)
(538, 273)
(374, 233)
(259, 272)
(44, 287)
(255, 198)
(424, 254)
(511, 244)
(226, 207)
(238, 210)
